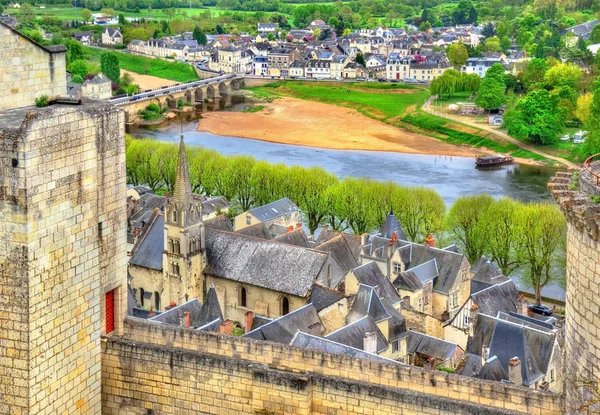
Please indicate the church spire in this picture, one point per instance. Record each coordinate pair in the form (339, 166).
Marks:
(182, 195)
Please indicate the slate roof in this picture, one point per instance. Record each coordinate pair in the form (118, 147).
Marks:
(583, 30)
(322, 297)
(220, 222)
(283, 329)
(449, 264)
(310, 342)
(486, 274)
(296, 237)
(500, 297)
(148, 250)
(414, 278)
(353, 241)
(367, 302)
(390, 226)
(274, 210)
(527, 321)
(200, 314)
(353, 334)
(211, 205)
(339, 249)
(430, 346)
(470, 365)
(369, 274)
(492, 370)
(276, 266)
(258, 230)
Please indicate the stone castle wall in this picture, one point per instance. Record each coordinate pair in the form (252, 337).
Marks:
(165, 369)
(28, 70)
(582, 329)
(62, 246)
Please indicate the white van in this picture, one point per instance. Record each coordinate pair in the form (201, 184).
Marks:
(580, 136)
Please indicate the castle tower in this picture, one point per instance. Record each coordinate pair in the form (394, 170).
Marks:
(184, 239)
(573, 192)
(63, 254)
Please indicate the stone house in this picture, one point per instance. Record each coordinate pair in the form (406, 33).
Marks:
(112, 36)
(281, 212)
(338, 63)
(85, 37)
(318, 69)
(99, 87)
(431, 352)
(30, 69)
(280, 60)
(228, 59)
(297, 68)
(266, 28)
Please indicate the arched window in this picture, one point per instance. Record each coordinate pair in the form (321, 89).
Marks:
(141, 297)
(191, 247)
(176, 246)
(156, 301)
(243, 297)
(285, 306)
(174, 216)
(170, 245)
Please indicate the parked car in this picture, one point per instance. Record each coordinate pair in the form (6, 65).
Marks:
(381, 80)
(319, 78)
(395, 81)
(565, 137)
(540, 309)
(580, 136)
(301, 77)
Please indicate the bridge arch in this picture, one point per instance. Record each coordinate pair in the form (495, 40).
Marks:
(199, 95)
(236, 84)
(189, 96)
(172, 102)
(224, 88)
(211, 92)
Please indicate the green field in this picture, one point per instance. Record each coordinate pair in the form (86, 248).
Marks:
(371, 99)
(174, 71)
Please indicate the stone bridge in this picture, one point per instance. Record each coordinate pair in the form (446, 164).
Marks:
(194, 92)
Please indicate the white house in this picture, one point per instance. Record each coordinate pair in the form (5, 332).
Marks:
(112, 36)
(480, 66)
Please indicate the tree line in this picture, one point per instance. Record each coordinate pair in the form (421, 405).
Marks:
(527, 238)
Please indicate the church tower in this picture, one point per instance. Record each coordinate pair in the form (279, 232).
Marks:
(184, 239)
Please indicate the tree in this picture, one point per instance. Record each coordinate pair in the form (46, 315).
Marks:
(86, 15)
(541, 229)
(219, 29)
(108, 12)
(465, 222)
(237, 180)
(164, 161)
(75, 51)
(78, 67)
(457, 54)
(582, 110)
(491, 91)
(268, 182)
(109, 64)
(199, 36)
(420, 210)
(563, 74)
(502, 237)
(122, 20)
(536, 118)
(360, 59)
(488, 30)
(307, 189)
(534, 73)
(27, 14)
(492, 44)
(591, 146)
(595, 35)
(77, 79)
(425, 26)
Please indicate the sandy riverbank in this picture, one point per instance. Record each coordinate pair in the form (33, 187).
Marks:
(147, 81)
(313, 124)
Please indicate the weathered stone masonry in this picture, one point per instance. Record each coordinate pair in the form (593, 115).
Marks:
(582, 331)
(62, 231)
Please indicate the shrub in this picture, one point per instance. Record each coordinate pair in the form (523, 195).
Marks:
(154, 108)
(42, 101)
(77, 79)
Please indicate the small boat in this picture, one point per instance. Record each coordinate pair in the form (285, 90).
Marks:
(484, 161)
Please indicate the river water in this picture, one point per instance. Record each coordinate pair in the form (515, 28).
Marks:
(451, 177)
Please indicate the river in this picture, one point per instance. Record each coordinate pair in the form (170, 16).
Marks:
(451, 177)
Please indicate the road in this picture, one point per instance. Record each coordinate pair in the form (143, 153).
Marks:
(166, 90)
(467, 121)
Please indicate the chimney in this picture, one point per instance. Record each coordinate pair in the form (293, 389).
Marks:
(406, 302)
(249, 320)
(184, 319)
(298, 225)
(524, 305)
(370, 342)
(151, 313)
(473, 314)
(514, 371)
(226, 327)
(430, 241)
(290, 228)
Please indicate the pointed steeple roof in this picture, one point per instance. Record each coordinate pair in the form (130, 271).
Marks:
(391, 225)
(183, 186)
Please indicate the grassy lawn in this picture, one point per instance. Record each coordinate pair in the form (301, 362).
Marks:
(371, 99)
(174, 71)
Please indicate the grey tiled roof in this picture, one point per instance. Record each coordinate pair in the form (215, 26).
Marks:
(486, 274)
(258, 230)
(367, 302)
(527, 321)
(283, 329)
(500, 297)
(430, 346)
(390, 226)
(492, 370)
(220, 222)
(369, 274)
(338, 248)
(274, 210)
(200, 314)
(296, 237)
(310, 342)
(148, 250)
(268, 264)
(322, 297)
(354, 334)
(449, 264)
(470, 365)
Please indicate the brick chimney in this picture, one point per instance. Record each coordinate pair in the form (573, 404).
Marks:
(290, 228)
(524, 305)
(151, 313)
(370, 342)
(430, 241)
(473, 314)
(184, 319)
(249, 320)
(514, 371)
(226, 327)
(298, 225)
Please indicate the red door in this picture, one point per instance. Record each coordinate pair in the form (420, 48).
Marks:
(110, 311)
